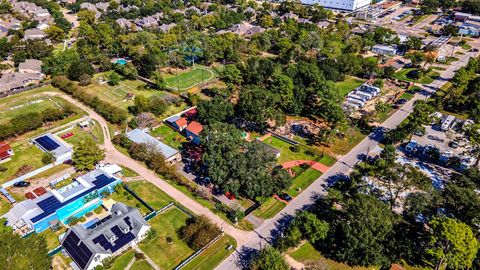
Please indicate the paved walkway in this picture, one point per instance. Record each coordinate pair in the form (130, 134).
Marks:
(130, 264)
(315, 165)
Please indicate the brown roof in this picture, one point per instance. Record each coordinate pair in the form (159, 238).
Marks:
(396, 267)
(181, 122)
(195, 127)
(4, 148)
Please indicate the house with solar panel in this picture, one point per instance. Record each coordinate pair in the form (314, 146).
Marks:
(82, 195)
(52, 144)
(112, 235)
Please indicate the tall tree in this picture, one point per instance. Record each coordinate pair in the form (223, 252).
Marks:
(451, 243)
(87, 154)
(269, 259)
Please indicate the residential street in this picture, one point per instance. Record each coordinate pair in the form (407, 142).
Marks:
(253, 240)
(341, 168)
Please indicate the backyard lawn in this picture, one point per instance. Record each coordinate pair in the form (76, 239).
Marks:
(190, 78)
(168, 136)
(122, 261)
(213, 255)
(349, 84)
(4, 205)
(27, 158)
(141, 265)
(166, 255)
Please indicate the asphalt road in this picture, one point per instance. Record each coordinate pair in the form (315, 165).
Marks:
(270, 229)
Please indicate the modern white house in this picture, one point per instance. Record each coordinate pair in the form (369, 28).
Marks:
(52, 144)
(348, 5)
(89, 246)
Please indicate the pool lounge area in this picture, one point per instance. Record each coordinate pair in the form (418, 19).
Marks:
(75, 200)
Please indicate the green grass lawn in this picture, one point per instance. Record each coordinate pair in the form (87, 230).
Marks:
(26, 156)
(152, 195)
(286, 153)
(79, 135)
(426, 79)
(51, 237)
(303, 180)
(213, 255)
(269, 208)
(26, 105)
(168, 136)
(306, 252)
(167, 224)
(127, 172)
(349, 84)
(190, 78)
(141, 265)
(121, 262)
(4, 205)
(406, 96)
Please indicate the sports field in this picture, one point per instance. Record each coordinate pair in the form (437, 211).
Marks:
(190, 78)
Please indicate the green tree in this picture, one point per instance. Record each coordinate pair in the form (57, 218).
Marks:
(214, 110)
(199, 231)
(114, 79)
(55, 33)
(451, 243)
(22, 253)
(47, 158)
(231, 74)
(87, 154)
(312, 228)
(268, 258)
(158, 80)
(79, 68)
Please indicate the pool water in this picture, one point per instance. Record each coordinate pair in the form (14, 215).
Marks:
(121, 61)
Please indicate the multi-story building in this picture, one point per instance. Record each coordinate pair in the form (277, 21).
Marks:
(348, 5)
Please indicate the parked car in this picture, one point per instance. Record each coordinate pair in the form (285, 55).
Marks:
(453, 145)
(21, 184)
(230, 196)
(285, 197)
(401, 101)
(66, 135)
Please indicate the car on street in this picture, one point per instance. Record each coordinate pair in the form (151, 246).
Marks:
(453, 144)
(285, 197)
(21, 184)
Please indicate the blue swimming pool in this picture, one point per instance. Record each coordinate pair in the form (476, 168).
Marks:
(90, 223)
(121, 61)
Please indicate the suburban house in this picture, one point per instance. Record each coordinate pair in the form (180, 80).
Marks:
(34, 34)
(6, 152)
(30, 66)
(193, 131)
(139, 136)
(17, 80)
(89, 246)
(384, 50)
(50, 143)
(124, 23)
(177, 122)
(82, 195)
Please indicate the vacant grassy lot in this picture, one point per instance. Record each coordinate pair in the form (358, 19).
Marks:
(425, 79)
(212, 256)
(27, 158)
(168, 136)
(185, 80)
(303, 180)
(306, 252)
(349, 84)
(269, 208)
(152, 195)
(299, 153)
(166, 255)
(339, 146)
(79, 135)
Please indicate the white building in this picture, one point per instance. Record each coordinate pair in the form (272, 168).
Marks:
(349, 5)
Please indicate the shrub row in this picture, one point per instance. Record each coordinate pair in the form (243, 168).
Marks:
(111, 113)
(24, 123)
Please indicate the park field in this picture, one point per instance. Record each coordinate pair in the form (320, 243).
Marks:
(190, 78)
(348, 85)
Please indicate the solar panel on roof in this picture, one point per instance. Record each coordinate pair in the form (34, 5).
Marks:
(77, 250)
(121, 242)
(47, 143)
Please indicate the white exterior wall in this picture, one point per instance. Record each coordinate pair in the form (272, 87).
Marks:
(350, 5)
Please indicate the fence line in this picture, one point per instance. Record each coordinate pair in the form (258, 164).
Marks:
(23, 89)
(28, 175)
(198, 252)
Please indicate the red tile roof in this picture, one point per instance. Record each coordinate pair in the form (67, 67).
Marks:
(39, 191)
(181, 122)
(4, 148)
(195, 127)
